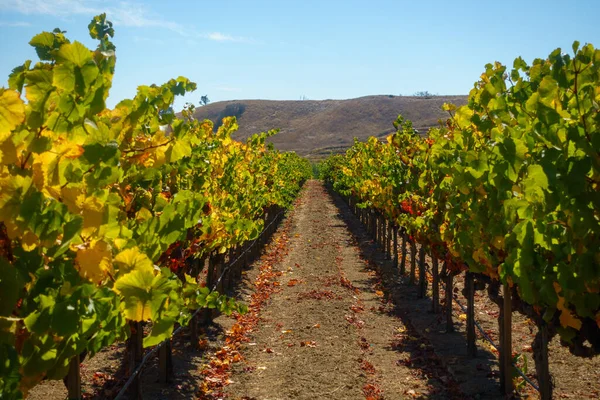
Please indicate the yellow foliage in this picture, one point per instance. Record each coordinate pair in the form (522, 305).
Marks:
(131, 259)
(95, 262)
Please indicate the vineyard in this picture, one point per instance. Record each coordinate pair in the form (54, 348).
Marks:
(135, 225)
(107, 215)
(507, 190)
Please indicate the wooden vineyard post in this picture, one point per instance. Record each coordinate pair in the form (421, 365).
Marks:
(540, 356)
(422, 280)
(237, 267)
(382, 227)
(218, 271)
(374, 225)
(505, 320)
(395, 247)
(378, 229)
(74, 379)
(403, 261)
(449, 288)
(388, 240)
(435, 307)
(210, 282)
(135, 352)
(383, 232)
(234, 265)
(471, 336)
(413, 262)
(165, 362)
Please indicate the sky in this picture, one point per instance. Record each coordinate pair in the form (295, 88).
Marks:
(289, 50)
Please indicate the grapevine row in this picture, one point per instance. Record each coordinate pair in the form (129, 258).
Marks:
(508, 187)
(102, 211)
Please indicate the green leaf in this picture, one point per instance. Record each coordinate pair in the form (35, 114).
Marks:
(43, 44)
(16, 79)
(71, 230)
(40, 144)
(64, 77)
(136, 290)
(99, 27)
(178, 150)
(144, 294)
(74, 52)
(96, 152)
(536, 182)
(65, 318)
(11, 285)
(161, 330)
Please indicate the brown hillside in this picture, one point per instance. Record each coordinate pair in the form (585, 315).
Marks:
(316, 128)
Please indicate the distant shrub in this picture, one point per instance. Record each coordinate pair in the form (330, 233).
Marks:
(231, 110)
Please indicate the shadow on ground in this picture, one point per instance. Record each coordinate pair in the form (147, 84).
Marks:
(438, 355)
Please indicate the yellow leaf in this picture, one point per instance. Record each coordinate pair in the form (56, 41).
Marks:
(568, 319)
(12, 112)
(566, 316)
(70, 150)
(131, 259)
(29, 241)
(143, 215)
(95, 263)
(93, 212)
(44, 166)
(8, 152)
(463, 317)
(120, 243)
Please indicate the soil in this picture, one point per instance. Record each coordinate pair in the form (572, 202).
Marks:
(338, 322)
(330, 332)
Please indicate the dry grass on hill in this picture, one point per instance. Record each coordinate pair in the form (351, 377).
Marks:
(315, 128)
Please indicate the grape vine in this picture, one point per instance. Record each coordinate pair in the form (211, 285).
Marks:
(508, 186)
(101, 209)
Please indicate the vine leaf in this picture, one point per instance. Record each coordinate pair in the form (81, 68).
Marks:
(94, 262)
(12, 112)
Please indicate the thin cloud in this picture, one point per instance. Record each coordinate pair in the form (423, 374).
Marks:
(56, 8)
(121, 13)
(221, 37)
(18, 24)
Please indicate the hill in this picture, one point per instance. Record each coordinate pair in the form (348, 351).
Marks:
(314, 128)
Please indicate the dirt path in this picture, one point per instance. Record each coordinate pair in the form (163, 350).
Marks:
(329, 332)
(330, 319)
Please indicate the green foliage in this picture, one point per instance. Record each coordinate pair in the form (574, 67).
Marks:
(103, 212)
(509, 186)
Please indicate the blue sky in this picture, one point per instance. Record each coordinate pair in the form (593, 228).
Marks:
(284, 50)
